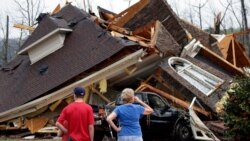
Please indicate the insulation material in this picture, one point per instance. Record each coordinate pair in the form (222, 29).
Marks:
(87, 93)
(103, 86)
(220, 105)
(35, 124)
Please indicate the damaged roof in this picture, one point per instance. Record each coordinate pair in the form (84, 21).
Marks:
(162, 12)
(205, 38)
(86, 46)
(46, 25)
(171, 39)
(149, 11)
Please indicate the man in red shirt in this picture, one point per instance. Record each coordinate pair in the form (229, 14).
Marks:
(79, 117)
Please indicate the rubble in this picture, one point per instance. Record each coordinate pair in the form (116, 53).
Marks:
(146, 47)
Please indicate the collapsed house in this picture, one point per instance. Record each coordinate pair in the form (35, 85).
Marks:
(179, 38)
(154, 51)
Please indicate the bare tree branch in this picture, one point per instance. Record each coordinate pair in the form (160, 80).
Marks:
(200, 6)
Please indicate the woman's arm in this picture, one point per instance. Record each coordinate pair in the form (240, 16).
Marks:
(110, 119)
(148, 110)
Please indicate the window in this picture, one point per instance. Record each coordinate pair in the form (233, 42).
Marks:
(199, 78)
(156, 102)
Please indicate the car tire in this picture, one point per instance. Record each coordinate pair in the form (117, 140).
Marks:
(183, 132)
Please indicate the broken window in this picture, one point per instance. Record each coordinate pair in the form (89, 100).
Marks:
(156, 101)
(199, 78)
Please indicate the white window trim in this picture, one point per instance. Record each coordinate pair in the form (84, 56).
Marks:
(186, 71)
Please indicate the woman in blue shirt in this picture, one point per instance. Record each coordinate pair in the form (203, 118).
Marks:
(128, 116)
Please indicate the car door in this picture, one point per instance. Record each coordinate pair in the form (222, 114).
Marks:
(161, 119)
(145, 119)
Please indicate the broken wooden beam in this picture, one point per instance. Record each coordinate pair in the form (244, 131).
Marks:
(220, 61)
(122, 18)
(175, 100)
(25, 27)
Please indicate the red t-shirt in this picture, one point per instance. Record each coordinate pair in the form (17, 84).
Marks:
(79, 116)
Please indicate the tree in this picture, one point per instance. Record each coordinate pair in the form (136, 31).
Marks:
(218, 20)
(237, 109)
(199, 7)
(244, 15)
(29, 10)
(245, 26)
(5, 46)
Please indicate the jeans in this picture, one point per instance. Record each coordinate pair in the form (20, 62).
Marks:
(129, 138)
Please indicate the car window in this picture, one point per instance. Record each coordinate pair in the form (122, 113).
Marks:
(156, 102)
(120, 102)
(139, 96)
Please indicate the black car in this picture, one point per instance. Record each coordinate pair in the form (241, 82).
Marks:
(166, 122)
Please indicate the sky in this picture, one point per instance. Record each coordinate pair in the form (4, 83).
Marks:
(183, 8)
(113, 5)
(9, 7)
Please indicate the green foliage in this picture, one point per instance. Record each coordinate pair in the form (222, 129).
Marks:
(237, 109)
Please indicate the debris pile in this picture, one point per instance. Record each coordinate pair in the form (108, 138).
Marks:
(146, 47)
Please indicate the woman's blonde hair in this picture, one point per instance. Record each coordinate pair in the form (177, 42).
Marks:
(127, 95)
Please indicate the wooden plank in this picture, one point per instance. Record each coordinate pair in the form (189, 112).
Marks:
(56, 10)
(220, 61)
(52, 129)
(18, 112)
(87, 93)
(69, 99)
(145, 29)
(3, 127)
(224, 45)
(149, 63)
(36, 124)
(119, 29)
(241, 55)
(37, 112)
(168, 86)
(54, 105)
(67, 91)
(233, 48)
(122, 18)
(135, 38)
(176, 100)
(25, 27)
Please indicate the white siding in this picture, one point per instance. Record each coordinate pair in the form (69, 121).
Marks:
(46, 47)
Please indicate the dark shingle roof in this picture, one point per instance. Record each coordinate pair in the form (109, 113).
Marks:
(87, 46)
